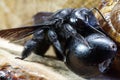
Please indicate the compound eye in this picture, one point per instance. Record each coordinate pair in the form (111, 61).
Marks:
(78, 18)
(81, 15)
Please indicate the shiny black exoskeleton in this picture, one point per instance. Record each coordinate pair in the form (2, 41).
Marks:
(76, 36)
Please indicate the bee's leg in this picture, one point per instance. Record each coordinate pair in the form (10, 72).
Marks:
(30, 45)
(54, 40)
(58, 54)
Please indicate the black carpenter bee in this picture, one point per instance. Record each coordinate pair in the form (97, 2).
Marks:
(76, 36)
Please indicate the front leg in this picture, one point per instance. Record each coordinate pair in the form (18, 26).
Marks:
(68, 31)
(54, 39)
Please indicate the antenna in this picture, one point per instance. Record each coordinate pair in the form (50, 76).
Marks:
(100, 14)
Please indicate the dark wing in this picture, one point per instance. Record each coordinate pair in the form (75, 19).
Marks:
(40, 20)
(41, 17)
(17, 33)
